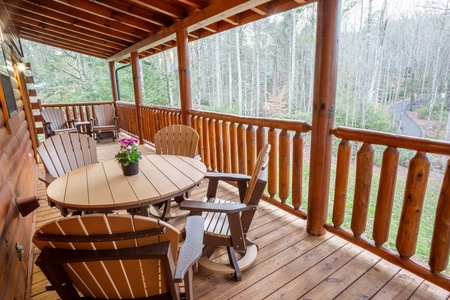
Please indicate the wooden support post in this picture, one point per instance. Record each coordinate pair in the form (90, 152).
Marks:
(137, 93)
(328, 16)
(184, 76)
(114, 89)
(112, 74)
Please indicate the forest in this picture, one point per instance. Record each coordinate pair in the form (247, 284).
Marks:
(391, 52)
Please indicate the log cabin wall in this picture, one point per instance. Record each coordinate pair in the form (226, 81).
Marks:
(17, 179)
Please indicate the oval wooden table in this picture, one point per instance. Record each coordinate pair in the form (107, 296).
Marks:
(102, 187)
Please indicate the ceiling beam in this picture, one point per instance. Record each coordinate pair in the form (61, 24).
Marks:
(68, 29)
(99, 10)
(136, 11)
(69, 22)
(217, 11)
(22, 22)
(81, 15)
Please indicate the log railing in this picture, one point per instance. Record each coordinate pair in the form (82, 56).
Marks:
(413, 200)
(82, 111)
(153, 119)
(230, 143)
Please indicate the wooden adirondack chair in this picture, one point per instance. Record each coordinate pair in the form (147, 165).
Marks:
(64, 153)
(55, 122)
(227, 222)
(105, 123)
(118, 256)
(175, 140)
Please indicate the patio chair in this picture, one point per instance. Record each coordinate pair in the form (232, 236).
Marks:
(118, 257)
(227, 222)
(55, 122)
(105, 123)
(64, 153)
(175, 140)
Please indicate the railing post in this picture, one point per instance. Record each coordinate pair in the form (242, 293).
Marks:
(328, 16)
(184, 76)
(137, 93)
(115, 91)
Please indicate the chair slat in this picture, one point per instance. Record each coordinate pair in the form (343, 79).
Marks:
(126, 278)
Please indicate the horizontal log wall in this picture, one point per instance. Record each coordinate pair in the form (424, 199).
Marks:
(17, 179)
(413, 200)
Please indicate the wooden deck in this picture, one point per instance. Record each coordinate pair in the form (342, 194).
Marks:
(290, 263)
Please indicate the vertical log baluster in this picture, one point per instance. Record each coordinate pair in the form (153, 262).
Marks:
(260, 138)
(234, 148)
(201, 142)
(212, 144)
(154, 123)
(88, 112)
(284, 165)
(416, 183)
(82, 113)
(342, 171)
(273, 163)
(242, 149)
(226, 147)
(297, 170)
(68, 116)
(207, 159)
(364, 171)
(251, 149)
(162, 123)
(385, 198)
(440, 244)
(219, 146)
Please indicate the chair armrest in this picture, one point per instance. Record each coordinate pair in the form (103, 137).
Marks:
(74, 123)
(214, 179)
(215, 207)
(47, 178)
(48, 128)
(192, 248)
(227, 176)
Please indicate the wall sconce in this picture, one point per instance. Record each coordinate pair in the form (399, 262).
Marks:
(27, 205)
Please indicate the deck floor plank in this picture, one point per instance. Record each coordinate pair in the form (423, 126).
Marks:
(337, 282)
(372, 281)
(318, 273)
(290, 264)
(402, 286)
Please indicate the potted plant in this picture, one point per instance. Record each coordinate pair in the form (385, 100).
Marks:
(128, 156)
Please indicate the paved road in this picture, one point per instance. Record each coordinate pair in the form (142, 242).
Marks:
(408, 126)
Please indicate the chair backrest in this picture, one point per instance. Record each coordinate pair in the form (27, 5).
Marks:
(176, 140)
(104, 115)
(56, 116)
(140, 262)
(67, 152)
(258, 172)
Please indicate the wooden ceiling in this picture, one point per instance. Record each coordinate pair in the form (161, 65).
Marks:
(112, 29)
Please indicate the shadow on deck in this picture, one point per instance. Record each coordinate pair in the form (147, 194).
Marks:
(290, 263)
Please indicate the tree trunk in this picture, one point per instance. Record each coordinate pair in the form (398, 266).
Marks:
(292, 78)
(238, 69)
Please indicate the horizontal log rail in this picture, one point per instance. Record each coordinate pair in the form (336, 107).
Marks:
(230, 143)
(413, 200)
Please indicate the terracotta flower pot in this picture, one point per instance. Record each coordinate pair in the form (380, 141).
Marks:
(130, 169)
